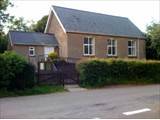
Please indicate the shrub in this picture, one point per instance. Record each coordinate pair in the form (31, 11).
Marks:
(24, 79)
(53, 55)
(11, 64)
(15, 72)
(3, 74)
(101, 72)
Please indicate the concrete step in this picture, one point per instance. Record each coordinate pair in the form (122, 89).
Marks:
(74, 88)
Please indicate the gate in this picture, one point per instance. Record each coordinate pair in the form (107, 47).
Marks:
(57, 72)
(47, 74)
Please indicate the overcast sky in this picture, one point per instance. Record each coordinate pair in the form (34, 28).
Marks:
(140, 12)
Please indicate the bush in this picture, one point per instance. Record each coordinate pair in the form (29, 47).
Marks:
(24, 79)
(15, 72)
(101, 72)
(53, 55)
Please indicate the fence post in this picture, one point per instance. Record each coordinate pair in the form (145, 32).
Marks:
(38, 72)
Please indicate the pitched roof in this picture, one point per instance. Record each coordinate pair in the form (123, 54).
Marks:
(32, 38)
(89, 22)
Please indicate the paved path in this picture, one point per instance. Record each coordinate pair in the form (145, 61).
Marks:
(109, 102)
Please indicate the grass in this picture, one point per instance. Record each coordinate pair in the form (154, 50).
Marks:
(42, 89)
(122, 82)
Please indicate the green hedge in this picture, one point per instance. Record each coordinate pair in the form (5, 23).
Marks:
(101, 72)
(15, 72)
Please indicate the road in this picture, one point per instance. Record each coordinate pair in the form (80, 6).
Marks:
(109, 102)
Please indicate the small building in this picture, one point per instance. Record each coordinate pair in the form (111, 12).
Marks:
(77, 34)
(32, 45)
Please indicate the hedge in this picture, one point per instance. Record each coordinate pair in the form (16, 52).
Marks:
(15, 72)
(102, 72)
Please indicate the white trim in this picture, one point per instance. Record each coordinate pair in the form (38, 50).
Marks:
(50, 12)
(33, 48)
(93, 46)
(111, 47)
(58, 19)
(131, 47)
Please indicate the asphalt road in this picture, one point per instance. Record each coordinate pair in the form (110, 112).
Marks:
(109, 102)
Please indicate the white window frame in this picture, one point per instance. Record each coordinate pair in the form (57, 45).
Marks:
(88, 45)
(133, 46)
(111, 46)
(32, 49)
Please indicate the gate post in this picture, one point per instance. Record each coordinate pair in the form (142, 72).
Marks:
(38, 72)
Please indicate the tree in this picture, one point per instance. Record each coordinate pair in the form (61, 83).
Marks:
(40, 25)
(153, 41)
(18, 24)
(3, 43)
(4, 4)
(4, 16)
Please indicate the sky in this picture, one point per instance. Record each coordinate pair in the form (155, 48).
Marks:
(140, 12)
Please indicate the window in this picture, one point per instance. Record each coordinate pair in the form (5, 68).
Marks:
(131, 48)
(88, 46)
(111, 47)
(31, 51)
(48, 50)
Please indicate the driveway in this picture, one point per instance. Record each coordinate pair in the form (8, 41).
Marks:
(111, 102)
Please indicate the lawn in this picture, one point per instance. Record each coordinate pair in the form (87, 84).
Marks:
(42, 89)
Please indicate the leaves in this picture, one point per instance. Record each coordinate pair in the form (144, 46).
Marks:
(153, 39)
(18, 24)
(4, 4)
(40, 25)
(3, 43)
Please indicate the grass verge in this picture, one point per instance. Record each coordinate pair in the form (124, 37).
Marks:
(42, 89)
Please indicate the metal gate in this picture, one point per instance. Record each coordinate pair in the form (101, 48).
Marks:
(57, 72)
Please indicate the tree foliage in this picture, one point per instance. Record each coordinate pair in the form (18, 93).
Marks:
(4, 16)
(40, 25)
(3, 43)
(153, 41)
(18, 24)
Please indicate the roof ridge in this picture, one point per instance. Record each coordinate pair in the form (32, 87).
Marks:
(25, 31)
(89, 12)
(31, 32)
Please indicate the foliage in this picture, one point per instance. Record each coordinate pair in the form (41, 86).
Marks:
(43, 89)
(18, 24)
(101, 72)
(4, 4)
(40, 25)
(53, 55)
(13, 71)
(153, 41)
(3, 43)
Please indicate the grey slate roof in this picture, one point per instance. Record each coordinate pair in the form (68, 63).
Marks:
(89, 22)
(32, 38)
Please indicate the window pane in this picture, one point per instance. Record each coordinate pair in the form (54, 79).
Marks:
(129, 43)
(133, 51)
(113, 42)
(129, 51)
(109, 50)
(109, 42)
(90, 49)
(90, 41)
(134, 43)
(31, 52)
(113, 50)
(85, 40)
(85, 49)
